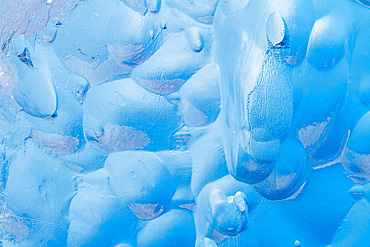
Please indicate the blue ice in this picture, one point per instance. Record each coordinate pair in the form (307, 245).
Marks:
(161, 123)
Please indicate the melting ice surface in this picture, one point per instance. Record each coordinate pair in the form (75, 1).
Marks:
(184, 123)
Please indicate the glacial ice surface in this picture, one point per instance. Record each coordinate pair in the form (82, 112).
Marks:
(204, 123)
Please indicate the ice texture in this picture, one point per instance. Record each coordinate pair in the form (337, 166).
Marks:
(161, 123)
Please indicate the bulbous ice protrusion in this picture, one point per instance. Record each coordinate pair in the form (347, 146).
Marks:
(122, 34)
(175, 228)
(200, 97)
(228, 215)
(357, 151)
(140, 177)
(170, 67)
(112, 123)
(35, 90)
(327, 43)
(34, 175)
(96, 211)
(290, 173)
(248, 170)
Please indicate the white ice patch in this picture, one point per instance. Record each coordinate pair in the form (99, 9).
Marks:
(118, 138)
(56, 143)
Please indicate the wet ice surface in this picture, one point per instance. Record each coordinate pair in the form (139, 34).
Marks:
(184, 123)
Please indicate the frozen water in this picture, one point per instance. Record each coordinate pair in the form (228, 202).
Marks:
(172, 65)
(112, 123)
(200, 123)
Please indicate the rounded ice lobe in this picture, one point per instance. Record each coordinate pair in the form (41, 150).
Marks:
(96, 211)
(326, 89)
(209, 162)
(357, 152)
(118, 25)
(171, 66)
(200, 97)
(359, 141)
(327, 42)
(40, 102)
(249, 171)
(140, 177)
(290, 173)
(175, 228)
(348, 233)
(112, 123)
(228, 215)
(264, 152)
(35, 90)
(34, 177)
(71, 89)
